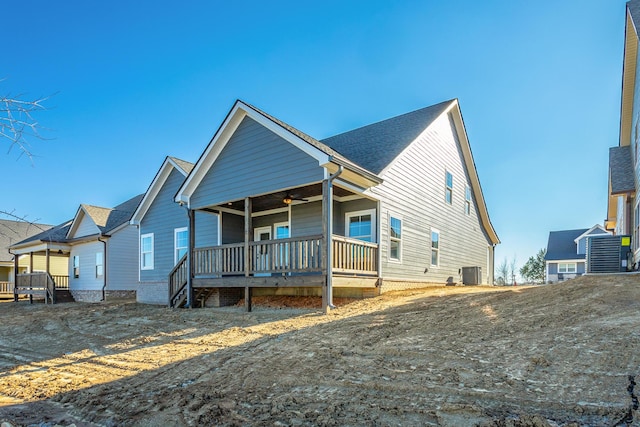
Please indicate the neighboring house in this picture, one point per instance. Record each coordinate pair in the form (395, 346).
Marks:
(100, 249)
(566, 252)
(163, 231)
(10, 233)
(623, 210)
(391, 205)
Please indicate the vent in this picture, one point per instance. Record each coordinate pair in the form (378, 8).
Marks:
(607, 254)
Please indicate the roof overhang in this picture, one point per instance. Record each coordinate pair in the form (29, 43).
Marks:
(456, 114)
(39, 246)
(156, 185)
(240, 110)
(628, 79)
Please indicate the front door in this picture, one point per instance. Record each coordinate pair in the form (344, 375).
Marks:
(261, 254)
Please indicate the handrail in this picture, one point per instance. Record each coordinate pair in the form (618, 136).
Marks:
(177, 279)
(6, 287)
(40, 282)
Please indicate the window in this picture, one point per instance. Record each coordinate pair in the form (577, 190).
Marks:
(281, 230)
(567, 267)
(361, 225)
(76, 266)
(146, 251)
(467, 201)
(448, 192)
(180, 243)
(99, 264)
(435, 247)
(395, 238)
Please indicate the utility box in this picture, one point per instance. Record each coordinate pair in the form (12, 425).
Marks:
(472, 275)
(608, 254)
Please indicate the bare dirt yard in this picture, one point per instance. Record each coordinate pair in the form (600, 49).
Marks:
(553, 355)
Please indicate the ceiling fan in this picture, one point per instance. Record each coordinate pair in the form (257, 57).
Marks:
(288, 198)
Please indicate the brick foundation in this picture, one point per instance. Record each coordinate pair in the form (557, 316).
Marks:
(153, 293)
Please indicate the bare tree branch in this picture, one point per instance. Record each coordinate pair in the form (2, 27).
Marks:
(18, 124)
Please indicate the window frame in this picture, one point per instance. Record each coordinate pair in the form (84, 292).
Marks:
(467, 200)
(99, 264)
(395, 239)
(347, 229)
(448, 187)
(436, 249)
(566, 269)
(142, 252)
(177, 231)
(76, 266)
(278, 225)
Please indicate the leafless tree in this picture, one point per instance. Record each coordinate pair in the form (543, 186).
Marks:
(512, 270)
(18, 124)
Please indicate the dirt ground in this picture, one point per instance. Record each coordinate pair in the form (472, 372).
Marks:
(553, 355)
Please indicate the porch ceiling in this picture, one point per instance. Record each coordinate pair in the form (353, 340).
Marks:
(275, 200)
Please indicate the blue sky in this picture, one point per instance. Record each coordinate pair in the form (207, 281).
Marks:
(538, 83)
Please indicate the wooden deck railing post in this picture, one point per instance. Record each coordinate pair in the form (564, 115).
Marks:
(248, 261)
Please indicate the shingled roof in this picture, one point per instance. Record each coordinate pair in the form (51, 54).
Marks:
(375, 146)
(562, 245)
(15, 231)
(621, 170)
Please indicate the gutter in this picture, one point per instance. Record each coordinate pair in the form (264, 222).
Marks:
(329, 234)
(104, 269)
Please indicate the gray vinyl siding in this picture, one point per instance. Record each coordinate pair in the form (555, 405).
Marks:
(162, 218)
(269, 220)
(414, 191)
(341, 209)
(306, 219)
(86, 227)
(87, 280)
(121, 263)
(232, 228)
(255, 161)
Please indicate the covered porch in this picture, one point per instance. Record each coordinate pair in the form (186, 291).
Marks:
(41, 270)
(283, 239)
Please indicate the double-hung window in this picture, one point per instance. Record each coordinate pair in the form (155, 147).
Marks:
(146, 251)
(180, 243)
(467, 201)
(76, 266)
(99, 264)
(448, 191)
(567, 267)
(435, 247)
(395, 238)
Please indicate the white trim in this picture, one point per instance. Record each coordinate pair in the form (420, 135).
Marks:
(567, 260)
(238, 112)
(587, 233)
(258, 230)
(431, 249)
(574, 264)
(399, 240)
(374, 226)
(100, 265)
(151, 266)
(280, 224)
(175, 241)
(448, 174)
(154, 188)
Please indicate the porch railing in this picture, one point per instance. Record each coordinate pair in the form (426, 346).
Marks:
(62, 282)
(352, 256)
(292, 255)
(177, 279)
(6, 288)
(39, 283)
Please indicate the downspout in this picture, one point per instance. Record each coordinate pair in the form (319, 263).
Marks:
(329, 234)
(104, 269)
